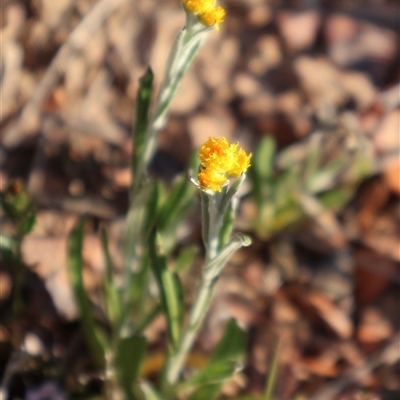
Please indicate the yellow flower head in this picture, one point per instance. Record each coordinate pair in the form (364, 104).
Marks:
(211, 179)
(221, 161)
(208, 13)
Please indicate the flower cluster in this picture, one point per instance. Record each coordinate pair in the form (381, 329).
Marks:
(221, 161)
(206, 11)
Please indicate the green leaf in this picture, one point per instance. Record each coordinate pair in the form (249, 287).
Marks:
(226, 228)
(150, 392)
(215, 266)
(135, 294)
(287, 215)
(272, 374)
(205, 226)
(140, 220)
(129, 355)
(262, 168)
(148, 318)
(207, 391)
(227, 196)
(111, 295)
(217, 208)
(324, 177)
(142, 117)
(170, 210)
(226, 358)
(232, 345)
(107, 256)
(170, 291)
(312, 161)
(95, 339)
(27, 222)
(185, 258)
(17, 205)
(7, 246)
(337, 198)
(214, 372)
(263, 161)
(14, 200)
(178, 203)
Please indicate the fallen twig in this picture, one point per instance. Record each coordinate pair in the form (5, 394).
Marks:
(28, 122)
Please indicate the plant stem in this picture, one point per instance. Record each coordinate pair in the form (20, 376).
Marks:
(211, 224)
(203, 298)
(199, 309)
(182, 53)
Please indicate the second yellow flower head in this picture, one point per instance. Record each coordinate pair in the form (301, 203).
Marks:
(221, 161)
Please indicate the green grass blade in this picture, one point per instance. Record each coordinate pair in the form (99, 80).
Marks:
(107, 256)
(263, 162)
(94, 339)
(170, 291)
(136, 294)
(171, 211)
(111, 295)
(140, 220)
(185, 259)
(150, 392)
(129, 355)
(272, 374)
(142, 117)
(262, 168)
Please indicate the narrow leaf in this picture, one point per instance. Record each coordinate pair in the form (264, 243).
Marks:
(7, 246)
(228, 354)
(142, 113)
(227, 223)
(185, 259)
(262, 169)
(94, 338)
(263, 162)
(140, 219)
(111, 295)
(128, 359)
(27, 222)
(337, 198)
(214, 372)
(214, 267)
(205, 202)
(272, 374)
(150, 392)
(228, 195)
(135, 294)
(171, 210)
(170, 290)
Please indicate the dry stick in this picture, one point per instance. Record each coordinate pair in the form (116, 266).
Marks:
(13, 56)
(75, 42)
